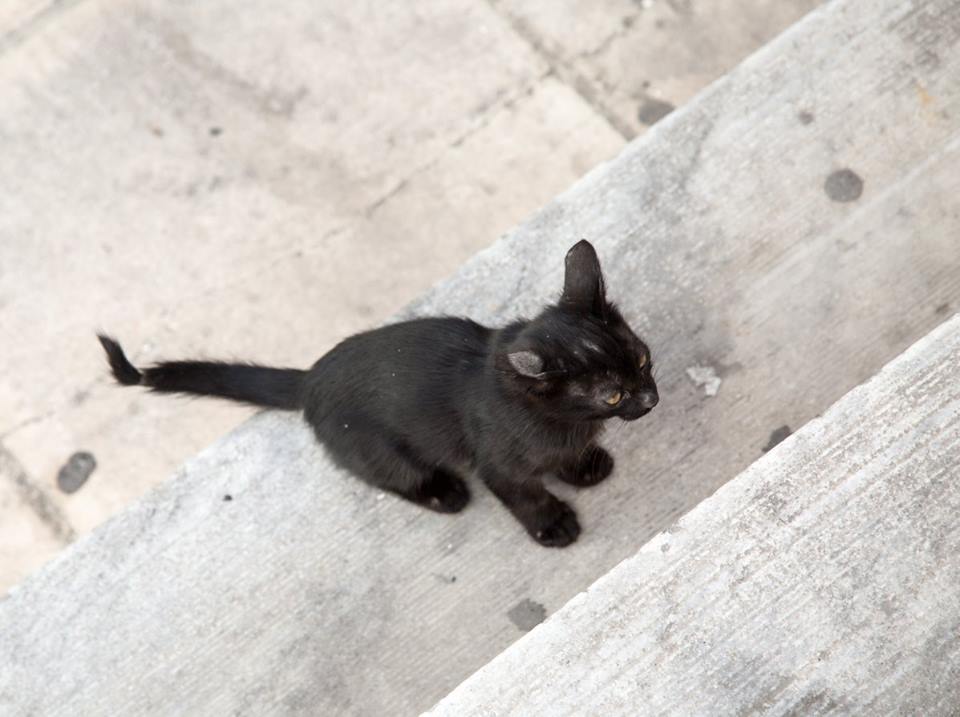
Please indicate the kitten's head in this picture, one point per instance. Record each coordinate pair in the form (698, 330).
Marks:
(579, 359)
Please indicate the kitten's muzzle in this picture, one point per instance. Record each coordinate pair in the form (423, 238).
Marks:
(640, 405)
(648, 399)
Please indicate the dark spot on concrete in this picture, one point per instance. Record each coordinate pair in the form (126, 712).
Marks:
(653, 110)
(76, 471)
(665, 548)
(216, 131)
(449, 579)
(889, 606)
(527, 614)
(728, 369)
(819, 702)
(805, 117)
(156, 131)
(79, 397)
(942, 308)
(227, 498)
(844, 185)
(776, 437)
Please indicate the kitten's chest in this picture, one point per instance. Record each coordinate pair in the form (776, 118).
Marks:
(557, 447)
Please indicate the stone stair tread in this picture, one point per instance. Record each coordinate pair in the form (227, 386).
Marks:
(821, 579)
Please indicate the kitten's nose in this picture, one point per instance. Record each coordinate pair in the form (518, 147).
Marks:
(648, 399)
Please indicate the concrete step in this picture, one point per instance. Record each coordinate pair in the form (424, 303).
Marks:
(823, 579)
(790, 231)
(219, 147)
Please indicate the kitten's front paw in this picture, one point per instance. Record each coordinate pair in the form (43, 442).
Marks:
(595, 465)
(445, 493)
(556, 526)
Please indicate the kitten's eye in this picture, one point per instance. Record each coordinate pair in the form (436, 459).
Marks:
(643, 361)
(614, 398)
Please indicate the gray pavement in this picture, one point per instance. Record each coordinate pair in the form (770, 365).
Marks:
(736, 240)
(241, 181)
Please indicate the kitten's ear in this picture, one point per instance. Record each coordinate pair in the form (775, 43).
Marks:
(583, 281)
(526, 363)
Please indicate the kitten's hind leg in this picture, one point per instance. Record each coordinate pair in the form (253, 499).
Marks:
(591, 467)
(391, 464)
(442, 491)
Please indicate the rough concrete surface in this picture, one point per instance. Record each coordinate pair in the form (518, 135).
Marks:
(30, 528)
(821, 580)
(638, 73)
(308, 592)
(364, 272)
(244, 181)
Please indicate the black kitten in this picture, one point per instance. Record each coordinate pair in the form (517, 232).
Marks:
(408, 407)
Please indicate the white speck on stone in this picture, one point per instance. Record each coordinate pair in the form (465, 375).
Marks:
(705, 376)
(381, 496)
(346, 425)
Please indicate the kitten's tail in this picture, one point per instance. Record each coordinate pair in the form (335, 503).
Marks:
(247, 383)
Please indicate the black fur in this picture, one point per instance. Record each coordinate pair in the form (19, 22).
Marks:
(246, 383)
(124, 371)
(411, 406)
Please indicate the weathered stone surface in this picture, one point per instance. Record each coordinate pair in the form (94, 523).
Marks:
(822, 579)
(183, 148)
(721, 246)
(253, 184)
(299, 304)
(20, 19)
(638, 58)
(26, 533)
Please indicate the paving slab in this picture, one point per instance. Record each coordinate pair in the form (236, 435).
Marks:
(727, 251)
(25, 537)
(640, 60)
(185, 146)
(20, 18)
(195, 180)
(821, 580)
(431, 225)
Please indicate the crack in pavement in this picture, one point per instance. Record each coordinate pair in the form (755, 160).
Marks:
(568, 75)
(13, 39)
(35, 497)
